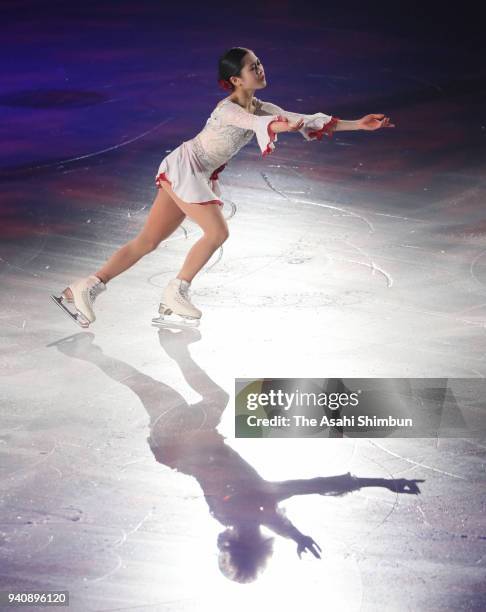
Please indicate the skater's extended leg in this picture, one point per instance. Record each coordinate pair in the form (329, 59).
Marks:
(210, 219)
(164, 218)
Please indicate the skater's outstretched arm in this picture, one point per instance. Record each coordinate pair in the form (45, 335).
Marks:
(319, 123)
(340, 485)
(374, 121)
(312, 127)
(280, 524)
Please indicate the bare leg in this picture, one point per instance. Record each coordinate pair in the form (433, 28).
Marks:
(164, 218)
(210, 219)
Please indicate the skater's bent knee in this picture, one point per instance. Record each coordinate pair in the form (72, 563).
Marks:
(218, 237)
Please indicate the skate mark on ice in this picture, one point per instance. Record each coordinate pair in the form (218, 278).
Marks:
(110, 573)
(9, 554)
(361, 549)
(5, 321)
(293, 169)
(418, 464)
(107, 150)
(345, 212)
(135, 211)
(126, 534)
(126, 465)
(233, 208)
(424, 517)
(407, 470)
(22, 269)
(472, 266)
(28, 468)
(474, 443)
(55, 469)
(475, 307)
(374, 268)
(43, 547)
(394, 216)
(272, 260)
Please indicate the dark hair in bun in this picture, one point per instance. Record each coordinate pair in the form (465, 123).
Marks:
(230, 64)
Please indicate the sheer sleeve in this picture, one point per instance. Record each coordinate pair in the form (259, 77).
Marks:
(233, 114)
(314, 125)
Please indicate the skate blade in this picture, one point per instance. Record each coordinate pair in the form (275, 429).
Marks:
(175, 321)
(75, 316)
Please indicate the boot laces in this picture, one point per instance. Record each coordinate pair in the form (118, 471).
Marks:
(95, 290)
(184, 291)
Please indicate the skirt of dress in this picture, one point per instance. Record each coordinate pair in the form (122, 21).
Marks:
(188, 178)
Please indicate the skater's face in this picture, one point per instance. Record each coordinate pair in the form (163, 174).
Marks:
(252, 74)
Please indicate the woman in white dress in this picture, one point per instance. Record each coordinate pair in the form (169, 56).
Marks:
(187, 181)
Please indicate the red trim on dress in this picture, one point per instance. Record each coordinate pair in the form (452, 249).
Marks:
(326, 129)
(271, 134)
(214, 175)
(163, 177)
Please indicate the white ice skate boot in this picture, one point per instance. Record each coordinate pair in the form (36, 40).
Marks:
(82, 293)
(175, 306)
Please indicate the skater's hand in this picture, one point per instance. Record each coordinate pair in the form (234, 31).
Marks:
(374, 122)
(306, 543)
(402, 485)
(295, 126)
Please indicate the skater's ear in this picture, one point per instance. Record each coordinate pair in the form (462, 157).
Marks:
(230, 65)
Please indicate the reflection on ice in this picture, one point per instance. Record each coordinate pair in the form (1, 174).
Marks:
(185, 438)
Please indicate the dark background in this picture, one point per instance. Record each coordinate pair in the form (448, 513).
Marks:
(105, 89)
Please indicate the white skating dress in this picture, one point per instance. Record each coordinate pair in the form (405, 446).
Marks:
(192, 168)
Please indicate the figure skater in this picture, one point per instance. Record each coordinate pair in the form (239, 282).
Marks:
(187, 182)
